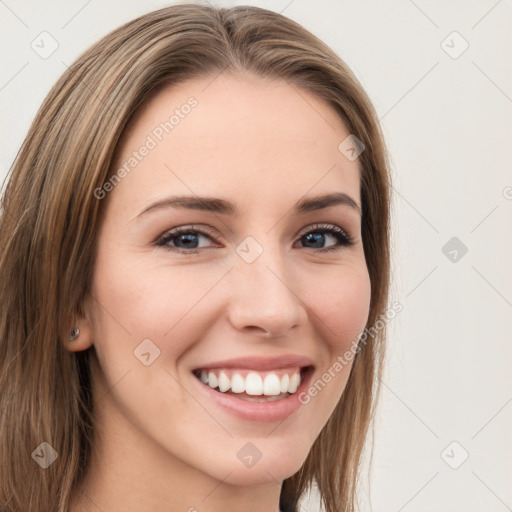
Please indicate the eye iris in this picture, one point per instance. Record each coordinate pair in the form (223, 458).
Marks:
(189, 239)
(316, 238)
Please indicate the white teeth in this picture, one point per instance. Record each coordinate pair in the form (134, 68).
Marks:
(237, 383)
(212, 380)
(294, 383)
(267, 384)
(253, 384)
(284, 383)
(224, 382)
(271, 385)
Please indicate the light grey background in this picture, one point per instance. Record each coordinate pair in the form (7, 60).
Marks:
(447, 120)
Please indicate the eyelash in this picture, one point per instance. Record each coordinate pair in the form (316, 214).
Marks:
(344, 240)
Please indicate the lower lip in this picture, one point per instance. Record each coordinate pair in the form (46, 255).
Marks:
(257, 411)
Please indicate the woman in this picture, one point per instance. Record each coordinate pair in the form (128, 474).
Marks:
(194, 242)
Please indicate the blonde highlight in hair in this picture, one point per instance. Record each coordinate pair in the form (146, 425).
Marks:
(50, 218)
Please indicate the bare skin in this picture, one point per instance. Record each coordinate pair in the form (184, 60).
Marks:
(161, 444)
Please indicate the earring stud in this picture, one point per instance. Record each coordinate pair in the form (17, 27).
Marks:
(74, 334)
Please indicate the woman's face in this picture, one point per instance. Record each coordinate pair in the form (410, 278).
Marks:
(164, 305)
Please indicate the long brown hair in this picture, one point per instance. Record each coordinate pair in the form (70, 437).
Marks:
(50, 216)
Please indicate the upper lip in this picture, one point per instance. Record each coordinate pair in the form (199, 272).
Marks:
(259, 363)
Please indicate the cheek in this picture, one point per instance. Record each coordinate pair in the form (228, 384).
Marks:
(140, 300)
(341, 307)
(342, 304)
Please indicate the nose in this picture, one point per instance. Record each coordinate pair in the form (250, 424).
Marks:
(263, 299)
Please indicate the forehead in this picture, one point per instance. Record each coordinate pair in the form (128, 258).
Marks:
(240, 136)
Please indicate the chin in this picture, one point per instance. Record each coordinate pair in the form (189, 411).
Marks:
(260, 474)
(271, 462)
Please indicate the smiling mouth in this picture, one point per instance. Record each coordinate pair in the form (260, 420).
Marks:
(254, 385)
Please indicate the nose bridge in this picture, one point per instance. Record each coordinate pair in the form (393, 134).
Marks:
(263, 295)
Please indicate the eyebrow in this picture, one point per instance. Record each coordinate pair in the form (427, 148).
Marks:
(215, 205)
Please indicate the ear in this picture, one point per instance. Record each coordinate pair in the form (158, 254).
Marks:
(85, 338)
